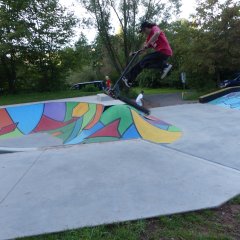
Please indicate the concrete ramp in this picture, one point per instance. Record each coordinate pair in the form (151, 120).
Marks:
(51, 124)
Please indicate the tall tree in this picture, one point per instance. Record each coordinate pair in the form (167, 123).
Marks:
(32, 32)
(129, 14)
(13, 32)
(217, 39)
(51, 28)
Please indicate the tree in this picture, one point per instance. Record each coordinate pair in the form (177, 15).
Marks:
(51, 28)
(32, 33)
(129, 16)
(217, 38)
(13, 32)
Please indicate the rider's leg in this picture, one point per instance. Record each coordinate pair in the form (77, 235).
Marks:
(151, 60)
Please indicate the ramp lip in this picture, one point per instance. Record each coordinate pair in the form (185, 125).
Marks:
(216, 94)
(20, 149)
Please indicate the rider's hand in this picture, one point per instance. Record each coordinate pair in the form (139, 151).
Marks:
(145, 46)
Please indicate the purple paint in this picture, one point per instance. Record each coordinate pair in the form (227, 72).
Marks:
(55, 111)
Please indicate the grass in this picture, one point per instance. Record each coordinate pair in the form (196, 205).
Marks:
(157, 90)
(44, 96)
(202, 225)
(187, 94)
(41, 96)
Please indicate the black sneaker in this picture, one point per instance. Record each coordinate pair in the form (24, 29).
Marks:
(126, 82)
(166, 70)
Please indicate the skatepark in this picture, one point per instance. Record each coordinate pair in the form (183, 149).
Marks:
(88, 161)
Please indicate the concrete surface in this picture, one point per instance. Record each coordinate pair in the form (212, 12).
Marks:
(165, 99)
(85, 185)
(36, 140)
(87, 99)
(209, 132)
(103, 97)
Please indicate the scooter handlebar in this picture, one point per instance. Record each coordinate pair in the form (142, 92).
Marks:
(137, 52)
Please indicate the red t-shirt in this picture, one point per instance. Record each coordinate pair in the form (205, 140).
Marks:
(161, 44)
(108, 83)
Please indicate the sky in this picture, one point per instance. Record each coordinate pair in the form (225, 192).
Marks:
(187, 9)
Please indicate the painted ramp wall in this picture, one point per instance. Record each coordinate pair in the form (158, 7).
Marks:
(231, 100)
(79, 122)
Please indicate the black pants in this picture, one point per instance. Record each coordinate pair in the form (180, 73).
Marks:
(155, 60)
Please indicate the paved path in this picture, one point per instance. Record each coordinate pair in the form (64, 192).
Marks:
(165, 99)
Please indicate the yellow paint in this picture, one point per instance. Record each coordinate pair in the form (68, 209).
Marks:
(80, 110)
(152, 133)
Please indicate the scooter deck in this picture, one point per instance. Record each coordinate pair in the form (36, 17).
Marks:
(133, 104)
(129, 102)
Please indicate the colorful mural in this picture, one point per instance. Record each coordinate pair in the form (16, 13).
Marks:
(231, 100)
(75, 123)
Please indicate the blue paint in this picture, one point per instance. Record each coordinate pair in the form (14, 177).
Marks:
(131, 133)
(85, 133)
(27, 116)
(231, 100)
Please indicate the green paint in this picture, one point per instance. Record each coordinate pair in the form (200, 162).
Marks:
(100, 139)
(66, 131)
(88, 117)
(121, 112)
(15, 133)
(70, 106)
(173, 129)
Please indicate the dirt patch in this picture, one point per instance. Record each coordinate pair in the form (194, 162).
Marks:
(220, 223)
(229, 217)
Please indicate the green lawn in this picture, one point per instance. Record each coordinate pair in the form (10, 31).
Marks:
(217, 224)
(187, 94)
(41, 96)
(157, 90)
(44, 96)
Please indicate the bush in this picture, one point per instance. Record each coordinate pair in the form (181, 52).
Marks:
(201, 83)
(152, 78)
(87, 74)
(149, 78)
(130, 93)
(90, 88)
(173, 80)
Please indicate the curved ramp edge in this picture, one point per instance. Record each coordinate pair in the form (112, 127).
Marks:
(36, 126)
(217, 94)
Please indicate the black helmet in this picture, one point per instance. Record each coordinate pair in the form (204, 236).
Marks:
(146, 24)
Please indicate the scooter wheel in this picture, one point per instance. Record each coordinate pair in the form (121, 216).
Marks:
(112, 93)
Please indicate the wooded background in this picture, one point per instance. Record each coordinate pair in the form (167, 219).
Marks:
(35, 54)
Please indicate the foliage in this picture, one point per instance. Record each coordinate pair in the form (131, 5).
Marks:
(85, 75)
(90, 88)
(219, 46)
(208, 47)
(129, 15)
(32, 33)
(35, 54)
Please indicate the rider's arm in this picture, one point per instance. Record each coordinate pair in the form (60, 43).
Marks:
(153, 39)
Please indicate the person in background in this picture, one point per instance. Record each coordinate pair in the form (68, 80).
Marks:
(156, 39)
(108, 82)
(139, 99)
